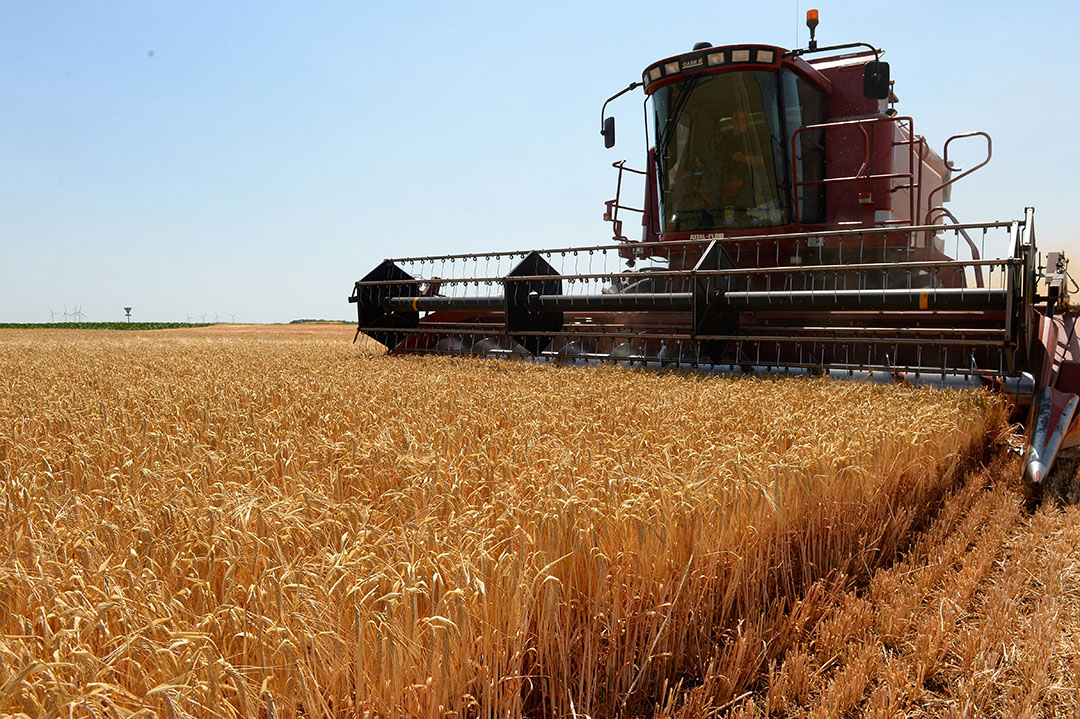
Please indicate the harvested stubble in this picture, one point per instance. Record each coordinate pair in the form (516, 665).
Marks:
(224, 526)
(979, 618)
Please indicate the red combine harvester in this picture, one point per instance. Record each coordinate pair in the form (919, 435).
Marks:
(792, 222)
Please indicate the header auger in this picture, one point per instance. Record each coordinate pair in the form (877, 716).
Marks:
(791, 222)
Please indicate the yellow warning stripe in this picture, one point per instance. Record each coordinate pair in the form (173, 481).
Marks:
(414, 301)
(924, 300)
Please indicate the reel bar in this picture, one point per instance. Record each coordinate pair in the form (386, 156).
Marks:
(651, 302)
(942, 298)
(569, 331)
(937, 336)
(868, 268)
(988, 339)
(945, 299)
(883, 340)
(858, 233)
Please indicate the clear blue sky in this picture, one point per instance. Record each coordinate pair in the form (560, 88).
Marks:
(258, 157)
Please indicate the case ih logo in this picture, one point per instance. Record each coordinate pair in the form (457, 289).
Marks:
(687, 64)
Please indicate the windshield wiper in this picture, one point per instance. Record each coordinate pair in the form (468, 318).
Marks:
(680, 104)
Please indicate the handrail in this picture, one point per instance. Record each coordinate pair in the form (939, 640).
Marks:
(612, 207)
(861, 123)
(951, 168)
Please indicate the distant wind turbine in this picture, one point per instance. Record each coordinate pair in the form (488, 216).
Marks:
(52, 315)
(232, 317)
(203, 318)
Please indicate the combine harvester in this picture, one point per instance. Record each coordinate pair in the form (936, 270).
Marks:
(792, 221)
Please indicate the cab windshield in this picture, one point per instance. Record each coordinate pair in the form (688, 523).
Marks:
(720, 153)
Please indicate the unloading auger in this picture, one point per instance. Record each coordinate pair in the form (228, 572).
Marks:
(792, 222)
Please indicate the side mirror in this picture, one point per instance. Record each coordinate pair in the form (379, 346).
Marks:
(875, 80)
(609, 132)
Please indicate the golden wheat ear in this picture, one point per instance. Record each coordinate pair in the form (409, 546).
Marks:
(246, 522)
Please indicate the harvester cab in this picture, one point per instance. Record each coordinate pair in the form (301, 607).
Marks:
(754, 139)
(792, 221)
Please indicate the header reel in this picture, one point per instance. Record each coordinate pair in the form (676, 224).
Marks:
(853, 300)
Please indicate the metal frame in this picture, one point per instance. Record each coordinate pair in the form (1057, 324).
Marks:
(736, 304)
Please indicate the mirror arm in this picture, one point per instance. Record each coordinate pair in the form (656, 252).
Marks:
(620, 93)
(799, 53)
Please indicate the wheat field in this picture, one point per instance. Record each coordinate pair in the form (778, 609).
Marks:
(199, 523)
